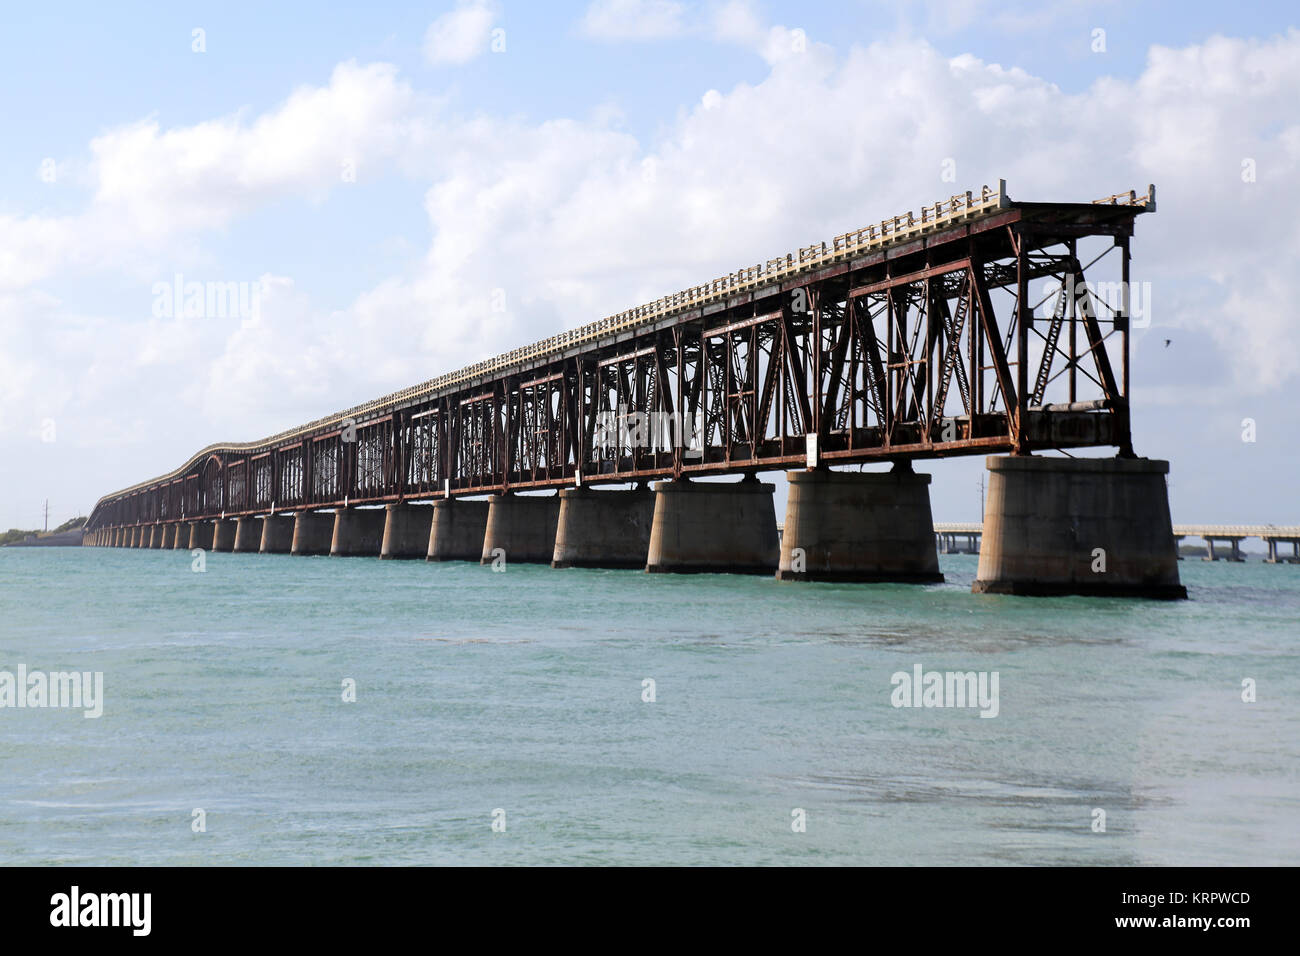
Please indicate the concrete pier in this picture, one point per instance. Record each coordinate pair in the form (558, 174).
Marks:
(201, 535)
(358, 533)
(223, 534)
(248, 534)
(1234, 548)
(521, 526)
(313, 531)
(1275, 555)
(140, 537)
(1096, 526)
(457, 530)
(603, 529)
(714, 526)
(406, 531)
(852, 526)
(180, 536)
(277, 534)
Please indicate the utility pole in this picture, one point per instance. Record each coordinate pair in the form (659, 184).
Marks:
(47, 514)
(981, 499)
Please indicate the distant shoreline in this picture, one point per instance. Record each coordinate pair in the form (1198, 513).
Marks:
(60, 539)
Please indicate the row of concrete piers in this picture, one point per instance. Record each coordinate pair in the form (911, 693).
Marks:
(1226, 546)
(1047, 522)
(958, 542)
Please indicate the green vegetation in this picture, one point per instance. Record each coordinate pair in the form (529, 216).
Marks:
(17, 534)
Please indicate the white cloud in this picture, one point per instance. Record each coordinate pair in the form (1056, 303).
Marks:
(634, 19)
(460, 35)
(151, 185)
(737, 21)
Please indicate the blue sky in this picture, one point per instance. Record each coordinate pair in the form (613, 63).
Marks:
(596, 161)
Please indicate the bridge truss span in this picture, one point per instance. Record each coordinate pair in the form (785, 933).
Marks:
(982, 326)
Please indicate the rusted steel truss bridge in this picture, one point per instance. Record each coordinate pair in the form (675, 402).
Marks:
(922, 336)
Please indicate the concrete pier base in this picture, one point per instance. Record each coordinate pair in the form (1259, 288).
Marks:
(714, 526)
(1275, 555)
(180, 535)
(156, 535)
(457, 530)
(522, 527)
(850, 526)
(603, 529)
(358, 533)
(1234, 548)
(223, 534)
(248, 534)
(406, 531)
(201, 535)
(313, 531)
(277, 534)
(1095, 526)
(140, 537)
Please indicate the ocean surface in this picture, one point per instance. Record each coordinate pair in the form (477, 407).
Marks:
(516, 697)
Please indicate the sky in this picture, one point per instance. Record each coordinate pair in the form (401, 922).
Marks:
(411, 187)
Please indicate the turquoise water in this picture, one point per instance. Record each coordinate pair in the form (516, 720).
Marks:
(522, 691)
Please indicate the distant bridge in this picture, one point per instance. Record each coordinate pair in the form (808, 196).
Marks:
(909, 339)
(1273, 537)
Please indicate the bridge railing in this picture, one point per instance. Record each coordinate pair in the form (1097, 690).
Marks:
(1236, 531)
